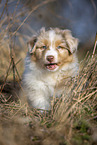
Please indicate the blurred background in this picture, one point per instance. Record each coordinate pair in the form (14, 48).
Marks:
(20, 19)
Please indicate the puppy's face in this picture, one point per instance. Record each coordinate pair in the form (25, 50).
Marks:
(52, 49)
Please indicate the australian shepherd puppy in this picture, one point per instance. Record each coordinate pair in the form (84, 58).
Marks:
(50, 61)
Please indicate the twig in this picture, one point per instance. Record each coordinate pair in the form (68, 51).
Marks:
(17, 71)
(34, 9)
(92, 118)
(2, 87)
(94, 6)
(4, 9)
(15, 8)
(95, 44)
(18, 61)
(11, 46)
(4, 100)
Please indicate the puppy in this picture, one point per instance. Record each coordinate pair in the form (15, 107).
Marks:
(50, 61)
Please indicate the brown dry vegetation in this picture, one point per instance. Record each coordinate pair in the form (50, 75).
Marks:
(71, 121)
(75, 124)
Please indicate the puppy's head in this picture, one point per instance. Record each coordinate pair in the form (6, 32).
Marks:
(53, 48)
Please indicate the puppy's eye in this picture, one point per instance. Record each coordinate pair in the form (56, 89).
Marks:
(59, 47)
(44, 47)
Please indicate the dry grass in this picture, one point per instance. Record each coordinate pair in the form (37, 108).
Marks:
(71, 121)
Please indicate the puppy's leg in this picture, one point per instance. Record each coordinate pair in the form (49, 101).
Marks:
(38, 100)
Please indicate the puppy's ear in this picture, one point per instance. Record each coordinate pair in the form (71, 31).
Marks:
(72, 43)
(42, 30)
(58, 31)
(32, 45)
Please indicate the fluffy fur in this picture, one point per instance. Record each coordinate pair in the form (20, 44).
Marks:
(50, 61)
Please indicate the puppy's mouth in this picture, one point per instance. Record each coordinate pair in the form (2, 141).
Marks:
(52, 66)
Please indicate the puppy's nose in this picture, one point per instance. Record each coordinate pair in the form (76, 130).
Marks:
(50, 58)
